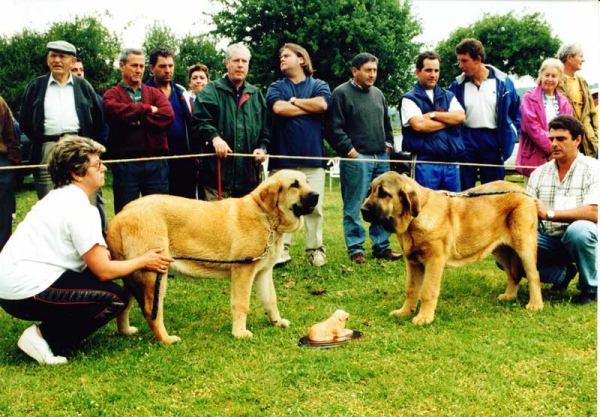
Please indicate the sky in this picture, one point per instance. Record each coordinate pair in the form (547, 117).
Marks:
(572, 21)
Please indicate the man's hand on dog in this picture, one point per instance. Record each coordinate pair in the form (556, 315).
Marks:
(154, 261)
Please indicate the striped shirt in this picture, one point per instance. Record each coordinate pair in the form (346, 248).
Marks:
(580, 187)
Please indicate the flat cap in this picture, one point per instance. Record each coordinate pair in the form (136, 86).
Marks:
(62, 46)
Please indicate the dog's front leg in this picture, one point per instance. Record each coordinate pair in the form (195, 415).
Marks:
(241, 287)
(431, 290)
(414, 282)
(266, 294)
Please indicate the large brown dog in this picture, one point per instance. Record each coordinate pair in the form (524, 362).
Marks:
(230, 229)
(437, 231)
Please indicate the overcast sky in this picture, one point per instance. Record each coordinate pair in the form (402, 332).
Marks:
(571, 21)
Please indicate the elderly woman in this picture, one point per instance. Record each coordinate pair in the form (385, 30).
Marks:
(56, 268)
(197, 79)
(538, 108)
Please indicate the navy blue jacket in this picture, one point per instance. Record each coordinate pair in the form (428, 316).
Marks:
(508, 108)
(445, 144)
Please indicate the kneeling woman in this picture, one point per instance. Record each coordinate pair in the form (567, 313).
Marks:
(56, 267)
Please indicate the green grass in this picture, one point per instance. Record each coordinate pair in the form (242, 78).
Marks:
(480, 357)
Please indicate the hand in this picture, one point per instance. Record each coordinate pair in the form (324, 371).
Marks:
(542, 212)
(353, 153)
(260, 155)
(154, 109)
(221, 147)
(388, 150)
(154, 261)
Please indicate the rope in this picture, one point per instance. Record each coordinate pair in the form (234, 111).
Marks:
(313, 158)
(482, 193)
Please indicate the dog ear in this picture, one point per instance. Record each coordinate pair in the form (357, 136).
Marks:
(269, 196)
(412, 199)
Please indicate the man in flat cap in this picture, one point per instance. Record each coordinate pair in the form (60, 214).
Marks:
(55, 105)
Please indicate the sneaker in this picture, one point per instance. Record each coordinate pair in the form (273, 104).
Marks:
(284, 258)
(584, 298)
(358, 258)
(317, 257)
(569, 275)
(389, 255)
(35, 346)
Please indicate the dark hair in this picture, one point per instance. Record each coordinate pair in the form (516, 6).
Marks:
(362, 58)
(300, 53)
(574, 126)
(426, 55)
(165, 53)
(472, 47)
(70, 156)
(198, 67)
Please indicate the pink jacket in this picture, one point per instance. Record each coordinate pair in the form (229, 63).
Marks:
(534, 145)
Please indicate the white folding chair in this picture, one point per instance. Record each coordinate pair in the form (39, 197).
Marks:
(334, 170)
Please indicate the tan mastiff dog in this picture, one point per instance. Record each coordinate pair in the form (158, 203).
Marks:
(231, 229)
(436, 231)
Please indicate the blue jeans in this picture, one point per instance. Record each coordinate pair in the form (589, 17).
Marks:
(130, 179)
(7, 200)
(355, 178)
(579, 245)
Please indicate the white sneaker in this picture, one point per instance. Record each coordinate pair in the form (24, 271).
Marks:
(317, 257)
(284, 258)
(35, 346)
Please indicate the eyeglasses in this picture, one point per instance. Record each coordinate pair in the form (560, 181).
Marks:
(97, 164)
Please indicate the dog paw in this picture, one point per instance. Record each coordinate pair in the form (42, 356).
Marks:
(242, 334)
(534, 306)
(282, 323)
(169, 340)
(129, 331)
(507, 297)
(403, 312)
(422, 319)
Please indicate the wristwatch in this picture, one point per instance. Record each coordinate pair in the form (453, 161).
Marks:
(432, 115)
(293, 101)
(550, 214)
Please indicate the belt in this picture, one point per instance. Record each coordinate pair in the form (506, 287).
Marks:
(56, 138)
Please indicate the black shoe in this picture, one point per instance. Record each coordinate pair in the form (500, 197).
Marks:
(358, 258)
(562, 286)
(389, 255)
(584, 298)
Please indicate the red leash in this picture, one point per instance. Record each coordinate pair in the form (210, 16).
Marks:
(220, 196)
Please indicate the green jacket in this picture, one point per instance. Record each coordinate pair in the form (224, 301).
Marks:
(589, 115)
(244, 129)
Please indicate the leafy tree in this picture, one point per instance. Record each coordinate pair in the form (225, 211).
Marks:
(22, 58)
(202, 49)
(96, 47)
(188, 50)
(333, 32)
(514, 45)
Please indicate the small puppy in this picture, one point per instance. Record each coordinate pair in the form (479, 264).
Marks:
(330, 329)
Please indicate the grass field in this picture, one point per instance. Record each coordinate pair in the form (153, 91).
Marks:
(480, 357)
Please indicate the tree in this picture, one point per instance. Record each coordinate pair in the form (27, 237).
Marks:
(187, 51)
(333, 32)
(96, 47)
(22, 58)
(512, 44)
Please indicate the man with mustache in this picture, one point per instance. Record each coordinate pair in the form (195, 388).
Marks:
(361, 130)
(566, 190)
(430, 127)
(55, 105)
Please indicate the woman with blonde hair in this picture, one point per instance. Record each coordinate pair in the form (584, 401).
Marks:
(539, 107)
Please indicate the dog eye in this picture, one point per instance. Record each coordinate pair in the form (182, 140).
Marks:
(295, 184)
(383, 193)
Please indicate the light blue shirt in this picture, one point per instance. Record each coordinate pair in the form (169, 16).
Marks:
(60, 115)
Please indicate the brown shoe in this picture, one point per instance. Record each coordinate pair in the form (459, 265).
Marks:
(358, 257)
(389, 255)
